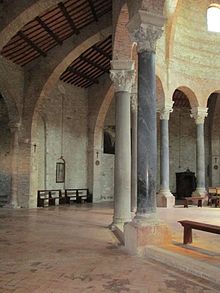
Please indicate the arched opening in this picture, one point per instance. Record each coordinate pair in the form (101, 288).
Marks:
(213, 140)
(213, 18)
(182, 130)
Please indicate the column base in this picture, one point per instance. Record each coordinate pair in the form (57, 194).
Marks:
(199, 192)
(142, 232)
(165, 199)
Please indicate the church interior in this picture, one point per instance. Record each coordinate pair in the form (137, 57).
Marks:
(109, 146)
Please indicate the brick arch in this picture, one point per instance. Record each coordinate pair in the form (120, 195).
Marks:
(28, 13)
(159, 91)
(122, 45)
(193, 100)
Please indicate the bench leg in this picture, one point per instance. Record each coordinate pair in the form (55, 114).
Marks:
(186, 204)
(187, 236)
(200, 203)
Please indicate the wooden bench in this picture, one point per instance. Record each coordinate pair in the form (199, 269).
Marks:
(46, 198)
(197, 199)
(189, 225)
(78, 195)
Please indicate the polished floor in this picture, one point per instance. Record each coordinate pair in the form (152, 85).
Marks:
(70, 249)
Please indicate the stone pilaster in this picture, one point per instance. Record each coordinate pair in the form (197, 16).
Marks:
(199, 114)
(134, 152)
(14, 128)
(146, 228)
(122, 75)
(165, 197)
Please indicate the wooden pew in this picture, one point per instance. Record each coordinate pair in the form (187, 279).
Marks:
(197, 199)
(189, 225)
(47, 198)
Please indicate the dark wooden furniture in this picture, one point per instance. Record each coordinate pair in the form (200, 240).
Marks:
(196, 199)
(70, 195)
(78, 195)
(214, 196)
(185, 184)
(189, 225)
(48, 197)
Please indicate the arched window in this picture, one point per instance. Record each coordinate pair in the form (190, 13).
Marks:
(213, 19)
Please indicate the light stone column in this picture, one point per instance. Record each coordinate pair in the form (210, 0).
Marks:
(199, 114)
(122, 75)
(145, 29)
(165, 197)
(14, 128)
(134, 152)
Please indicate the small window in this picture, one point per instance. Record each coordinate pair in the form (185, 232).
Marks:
(213, 19)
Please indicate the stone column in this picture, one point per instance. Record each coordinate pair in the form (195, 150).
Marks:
(14, 128)
(199, 114)
(165, 197)
(146, 229)
(134, 152)
(122, 75)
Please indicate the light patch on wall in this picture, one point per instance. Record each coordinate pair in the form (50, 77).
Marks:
(213, 19)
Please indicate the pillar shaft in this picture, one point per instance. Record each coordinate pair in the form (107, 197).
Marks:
(147, 143)
(122, 75)
(200, 156)
(14, 166)
(164, 155)
(134, 154)
(122, 181)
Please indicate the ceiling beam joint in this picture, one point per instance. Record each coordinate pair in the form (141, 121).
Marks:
(68, 18)
(49, 31)
(31, 43)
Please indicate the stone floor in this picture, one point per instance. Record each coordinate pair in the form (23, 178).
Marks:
(70, 249)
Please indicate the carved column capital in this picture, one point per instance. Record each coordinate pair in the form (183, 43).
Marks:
(165, 110)
(199, 114)
(145, 29)
(122, 74)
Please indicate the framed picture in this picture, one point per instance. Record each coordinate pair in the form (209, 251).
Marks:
(60, 172)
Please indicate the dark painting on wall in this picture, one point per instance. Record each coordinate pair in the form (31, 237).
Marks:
(109, 139)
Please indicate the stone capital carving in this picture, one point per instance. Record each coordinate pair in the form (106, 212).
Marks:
(165, 110)
(134, 101)
(122, 74)
(145, 29)
(199, 114)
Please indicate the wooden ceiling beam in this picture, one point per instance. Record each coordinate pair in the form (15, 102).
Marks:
(94, 64)
(68, 18)
(82, 74)
(93, 9)
(49, 31)
(31, 44)
(101, 52)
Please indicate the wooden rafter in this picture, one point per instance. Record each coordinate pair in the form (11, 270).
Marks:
(31, 44)
(94, 64)
(49, 31)
(101, 51)
(68, 18)
(82, 74)
(93, 9)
